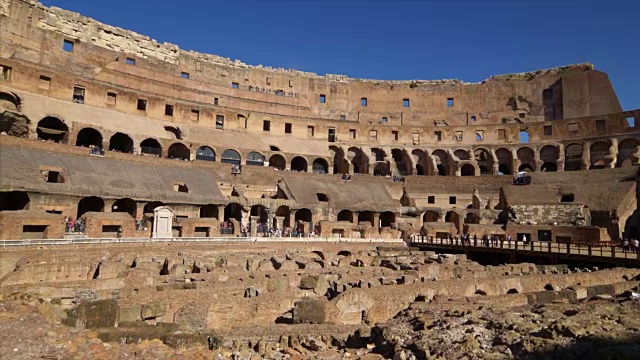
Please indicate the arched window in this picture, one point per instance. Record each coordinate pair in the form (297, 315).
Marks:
(52, 129)
(151, 147)
(467, 170)
(320, 166)
(125, 205)
(277, 161)
(121, 142)
(345, 215)
(178, 151)
(89, 136)
(230, 156)
(91, 203)
(255, 158)
(205, 153)
(299, 163)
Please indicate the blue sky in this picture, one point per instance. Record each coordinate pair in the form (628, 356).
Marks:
(402, 40)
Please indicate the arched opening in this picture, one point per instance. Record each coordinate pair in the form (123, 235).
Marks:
(303, 215)
(121, 143)
(485, 161)
(284, 212)
(526, 157)
(340, 163)
(91, 203)
(14, 200)
(277, 161)
(233, 211)
(599, 154)
(480, 292)
(462, 154)
(89, 136)
(381, 169)
(504, 161)
(387, 218)
(299, 163)
(230, 156)
(567, 198)
(513, 291)
(255, 158)
(209, 211)
(547, 167)
(525, 167)
(430, 216)
(626, 149)
(320, 166)
(125, 205)
(573, 157)
(378, 154)
(52, 129)
(260, 212)
(467, 170)
(205, 153)
(366, 216)
(9, 101)
(151, 147)
(345, 215)
(548, 287)
(402, 160)
(178, 151)
(359, 160)
(422, 161)
(304, 218)
(150, 207)
(453, 217)
(472, 218)
(440, 157)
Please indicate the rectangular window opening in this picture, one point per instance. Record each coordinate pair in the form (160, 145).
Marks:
(45, 82)
(473, 118)
(438, 135)
(168, 110)
(78, 95)
(502, 134)
(431, 199)
(184, 75)
(373, 135)
(416, 138)
(395, 135)
(601, 126)
(266, 125)
(111, 98)
(331, 135)
(343, 117)
(310, 131)
(195, 115)
(215, 101)
(352, 134)
(220, 122)
(524, 136)
(452, 200)
(130, 61)
(384, 119)
(457, 136)
(235, 85)
(53, 177)
(405, 102)
(479, 135)
(5, 72)
(631, 121)
(450, 102)
(363, 102)
(548, 130)
(323, 99)
(573, 127)
(67, 45)
(142, 105)
(288, 128)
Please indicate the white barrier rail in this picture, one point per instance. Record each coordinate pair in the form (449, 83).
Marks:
(213, 240)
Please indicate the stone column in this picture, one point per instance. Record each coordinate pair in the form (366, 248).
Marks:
(108, 205)
(376, 220)
(221, 213)
(560, 161)
(355, 217)
(586, 155)
(254, 225)
(279, 222)
(613, 152)
(244, 219)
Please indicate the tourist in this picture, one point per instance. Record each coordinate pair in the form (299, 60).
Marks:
(636, 245)
(524, 238)
(625, 245)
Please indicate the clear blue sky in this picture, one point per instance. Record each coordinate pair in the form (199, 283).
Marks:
(401, 40)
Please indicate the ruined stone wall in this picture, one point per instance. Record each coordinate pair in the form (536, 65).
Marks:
(545, 214)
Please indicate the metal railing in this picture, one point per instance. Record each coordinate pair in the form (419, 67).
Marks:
(213, 240)
(608, 251)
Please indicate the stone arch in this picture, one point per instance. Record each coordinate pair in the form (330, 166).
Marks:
(14, 200)
(359, 160)
(340, 163)
(504, 161)
(454, 218)
(430, 216)
(472, 218)
(462, 154)
(89, 136)
(209, 211)
(467, 170)
(178, 151)
(10, 101)
(205, 153)
(423, 163)
(366, 216)
(121, 142)
(513, 291)
(299, 163)
(52, 129)
(278, 161)
(320, 166)
(381, 169)
(261, 212)
(526, 156)
(485, 161)
(90, 203)
(285, 212)
(441, 159)
(402, 160)
(233, 211)
(126, 205)
(151, 206)
(150, 146)
(304, 216)
(573, 157)
(378, 154)
(345, 215)
(255, 158)
(599, 154)
(387, 218)
(626, 149)
(549, 155)
(230, 156)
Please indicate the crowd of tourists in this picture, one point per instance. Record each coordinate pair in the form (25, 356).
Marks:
(73, 226)
(631, 245)
(488, 240)
(96, 150)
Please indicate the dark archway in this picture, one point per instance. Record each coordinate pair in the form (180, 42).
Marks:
(320, 166)
(403, 161)
(10, 101)
(284, 212)
(233, 211)
(91, 203)
(89, 136)
(205, 153)
(359, 160)
(14, 200)
(149, 207)
(525, 167)
(261, 212)
(121, 142)
(255, 158)
(526, 157)
(345, 215)
(125, 205)
(151, 147)
(467, 170)
(230, 156)
(209, 211)
(52, 129)
(626, 149)
(430, 216)
(299, 163)
(178, 151)
(278, 161)
(340, 163)
(485, 161)
(599, 153)
(381, 169)
(462, 154)
(441, 159)
(504, 161)
(304, 215)
(472, 218)
(549, 155)
(422, 161)
(549, 167)
(366, 216)
(387, 218)
(573, 157)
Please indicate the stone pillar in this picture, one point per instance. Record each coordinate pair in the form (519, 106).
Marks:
(254, 225)
(221, 212)
(279, 222)
(613, 152)
(586, 155)
(330, 169)
(108, 205)
(376, 220)
(355, 217)
(560, 161)
(244, 220)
